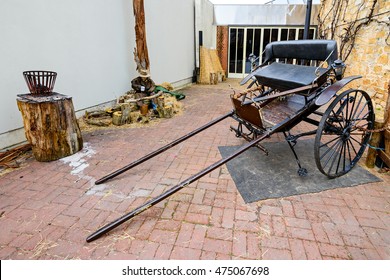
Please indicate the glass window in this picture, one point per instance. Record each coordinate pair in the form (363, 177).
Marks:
(256, 45)
(240, 50)
(292, 33)
(249, 49)
(311, 33)
(274, 35)
(232, 57)
(247, 40)
(300, 34)
(283, 35)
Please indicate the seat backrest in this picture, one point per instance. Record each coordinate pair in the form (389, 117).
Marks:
(322, 50)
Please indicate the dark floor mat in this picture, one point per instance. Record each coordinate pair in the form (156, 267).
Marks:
(260, 177)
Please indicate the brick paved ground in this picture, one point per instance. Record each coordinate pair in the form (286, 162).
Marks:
(48, 209)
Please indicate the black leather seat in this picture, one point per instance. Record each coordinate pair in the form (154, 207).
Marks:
(283, 76)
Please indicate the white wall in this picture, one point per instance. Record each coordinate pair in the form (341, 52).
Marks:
(205, 22)
(90, 44)
(170, 37)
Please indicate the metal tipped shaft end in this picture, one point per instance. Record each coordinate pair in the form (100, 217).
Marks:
(98, 182)
(93, 237)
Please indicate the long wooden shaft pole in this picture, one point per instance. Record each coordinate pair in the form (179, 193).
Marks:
(162, 149)
(173, 190)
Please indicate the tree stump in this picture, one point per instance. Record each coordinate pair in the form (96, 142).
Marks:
(50, 125)
(384, 155)
(375, 141)
(117, 118)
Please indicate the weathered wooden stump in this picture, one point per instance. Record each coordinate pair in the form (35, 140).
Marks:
(377, 137)
(50, 125)
(375, 141)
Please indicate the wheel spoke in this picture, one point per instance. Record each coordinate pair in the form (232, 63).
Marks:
(349, 153)
(361, 119)
(333, 151)
(336, 117)
(353, 105)
(360, 100)
(338, 162)
(343, 104)
(357, 120)
(329, 149)
(334, 139)
(366, 122)
(334, 158)
(355, 140)
(360, 112)
(352, 146)
(345, 147)
(346, 109)
(357, 128)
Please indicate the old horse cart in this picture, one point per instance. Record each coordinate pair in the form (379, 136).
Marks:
(292, 85)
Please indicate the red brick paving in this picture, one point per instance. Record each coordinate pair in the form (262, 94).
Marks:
(47, 211)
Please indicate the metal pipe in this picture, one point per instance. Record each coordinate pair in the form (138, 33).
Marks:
(173, 190)
(307, 20)
(162, 149)
(282, 93)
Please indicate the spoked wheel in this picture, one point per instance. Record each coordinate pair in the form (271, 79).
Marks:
(343, 134)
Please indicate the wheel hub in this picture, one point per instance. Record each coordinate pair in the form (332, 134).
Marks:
(346, 134)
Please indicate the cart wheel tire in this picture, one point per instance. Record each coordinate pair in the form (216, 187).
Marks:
(343, 133)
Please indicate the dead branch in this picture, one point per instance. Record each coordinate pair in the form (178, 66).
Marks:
(144, 98)
(7, 157)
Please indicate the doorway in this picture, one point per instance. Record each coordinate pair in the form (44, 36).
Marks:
(244, 41)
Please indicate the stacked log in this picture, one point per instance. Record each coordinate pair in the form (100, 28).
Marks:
(164, 108)
(131, 108)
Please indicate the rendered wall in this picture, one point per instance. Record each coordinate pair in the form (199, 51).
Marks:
(170, 37)
(205, 22)
(90, 44)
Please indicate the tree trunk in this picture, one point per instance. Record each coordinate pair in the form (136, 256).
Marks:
(377, 137)
(50, 125)
(375, 141)
(141, 55)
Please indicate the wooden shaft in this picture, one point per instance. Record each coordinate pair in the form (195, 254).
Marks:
(171, 191)
(162, 149)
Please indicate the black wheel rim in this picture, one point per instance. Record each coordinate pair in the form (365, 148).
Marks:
(343, 133)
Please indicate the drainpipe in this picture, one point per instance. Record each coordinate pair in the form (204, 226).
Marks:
(200, 44)
(194, 73)
(307, 20)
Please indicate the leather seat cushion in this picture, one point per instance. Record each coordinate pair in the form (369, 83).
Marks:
(286, 76)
